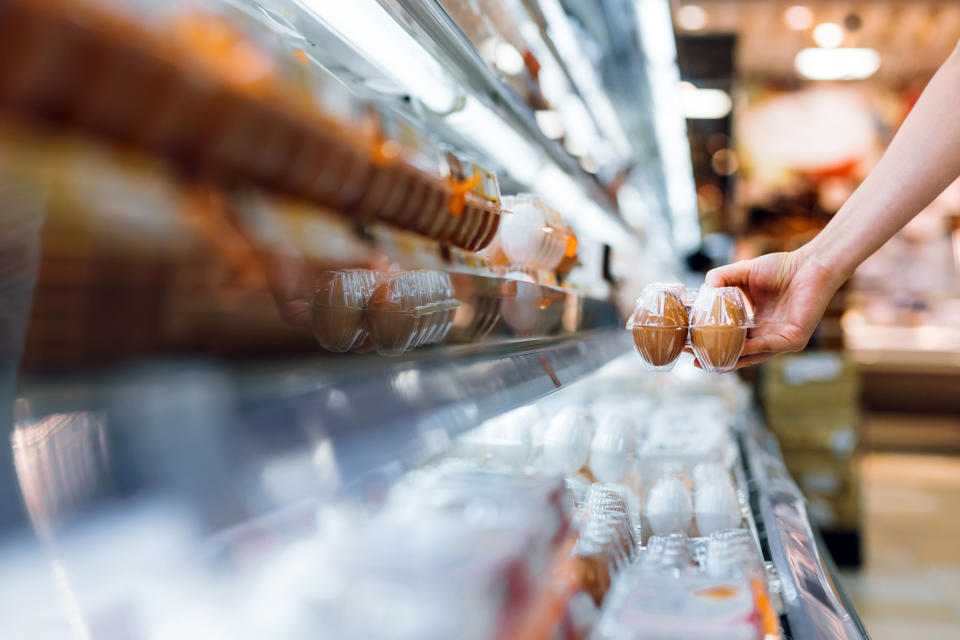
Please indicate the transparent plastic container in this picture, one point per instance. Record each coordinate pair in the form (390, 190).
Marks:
(408, 309)
(532, 233)
(337, 315)
(566, 443)
(659, 325)
(613, 448)
(668, 505)
(718, 327)
(716, 506)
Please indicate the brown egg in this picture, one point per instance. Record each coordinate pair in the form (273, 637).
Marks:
(391, 314)
(337, 311)
(660, 329)
(593, 573)
(719, 330)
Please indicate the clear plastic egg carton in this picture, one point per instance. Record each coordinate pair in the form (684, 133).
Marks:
(532, 233)
(408, 309)
(713, 323)
(337, 309)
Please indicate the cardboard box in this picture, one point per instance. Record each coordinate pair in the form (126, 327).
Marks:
(812, 378)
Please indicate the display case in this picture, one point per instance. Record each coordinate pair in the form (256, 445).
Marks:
(256, 287)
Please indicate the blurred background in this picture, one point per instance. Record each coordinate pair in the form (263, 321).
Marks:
(811, 96)
(313, 320)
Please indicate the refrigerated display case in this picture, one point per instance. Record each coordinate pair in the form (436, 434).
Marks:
(254, 289)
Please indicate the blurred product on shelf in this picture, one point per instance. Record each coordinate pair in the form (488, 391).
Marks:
(229, 109)
(408, 309)
(532, 234)
(812, 402)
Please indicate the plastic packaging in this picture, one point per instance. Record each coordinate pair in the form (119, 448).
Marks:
(668, 506)
(613, 448)
(715, 503)
(659, 325)
(337, 310)
(531, 233)
(566, 442)
(718, 327)
(686, 608)
(408, 309)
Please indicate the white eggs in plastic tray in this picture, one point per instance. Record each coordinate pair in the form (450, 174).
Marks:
(668, 506)
(566, 442)
(613, 447)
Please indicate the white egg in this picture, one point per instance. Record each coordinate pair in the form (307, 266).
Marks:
(612, 449)
(716, 506)
(706, 472)
(669, 506)
(508, 441)
(566, 443)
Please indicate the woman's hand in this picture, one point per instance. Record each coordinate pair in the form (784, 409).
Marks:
(789, 293)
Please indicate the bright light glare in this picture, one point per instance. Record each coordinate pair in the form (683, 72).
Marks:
(691, 17)
(798, 17)
(498, 140)
(703, 104)
(837, 64)
(561, 192)
(828, 35)
(373, 32)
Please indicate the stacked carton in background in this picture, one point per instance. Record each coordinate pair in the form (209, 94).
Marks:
(811, 401)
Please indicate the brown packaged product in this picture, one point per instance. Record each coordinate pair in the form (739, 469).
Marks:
(659, 325)
(718, 327)
(337, 312)
(393, 313)
(593, 570)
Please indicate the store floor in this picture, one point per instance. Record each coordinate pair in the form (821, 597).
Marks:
(909, 586)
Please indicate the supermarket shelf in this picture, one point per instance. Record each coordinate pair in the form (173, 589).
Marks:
(430, 24)
(240, 443)
(814, 602)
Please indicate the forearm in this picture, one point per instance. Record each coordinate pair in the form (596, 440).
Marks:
(921, 161)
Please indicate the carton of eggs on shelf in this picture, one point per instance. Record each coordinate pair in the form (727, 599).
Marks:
(668, 505)
(408, 309)
(566, 442)
(507, 439)
(716, 505)
(532, 233)
(337, 309)
(613, 448)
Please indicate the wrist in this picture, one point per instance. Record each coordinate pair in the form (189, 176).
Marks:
(835, 265)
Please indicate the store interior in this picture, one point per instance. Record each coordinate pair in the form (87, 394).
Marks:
(771, 170)
(387, 319)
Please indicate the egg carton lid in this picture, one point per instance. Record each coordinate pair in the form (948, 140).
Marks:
(721, 307)
(349, 288)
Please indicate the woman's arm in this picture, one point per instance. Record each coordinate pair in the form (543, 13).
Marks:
(790, 291)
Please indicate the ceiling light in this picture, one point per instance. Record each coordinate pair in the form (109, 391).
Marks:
(703, 104)
(837, 64)
(798, 17)
(828, 35)
(690, 17)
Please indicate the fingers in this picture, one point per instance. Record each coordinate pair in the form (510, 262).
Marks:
(731, 275)
(763, 344)
(749, 361)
